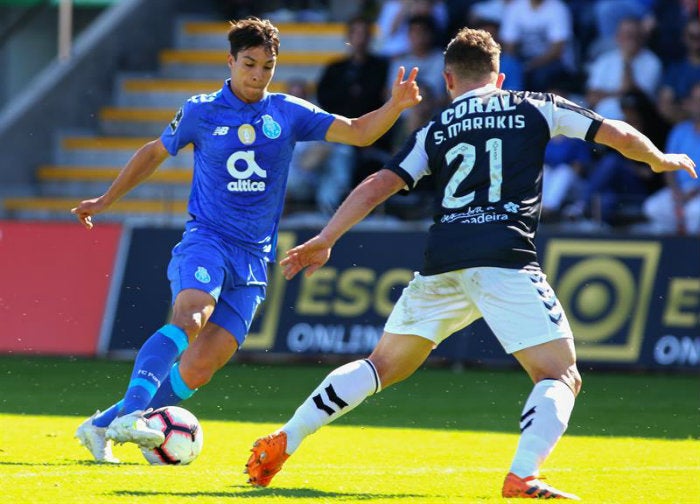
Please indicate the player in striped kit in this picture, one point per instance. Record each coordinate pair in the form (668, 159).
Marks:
(485, 151)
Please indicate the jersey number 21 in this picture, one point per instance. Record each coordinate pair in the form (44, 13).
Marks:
(494, 147)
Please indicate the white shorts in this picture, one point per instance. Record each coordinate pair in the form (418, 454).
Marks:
(518, 305)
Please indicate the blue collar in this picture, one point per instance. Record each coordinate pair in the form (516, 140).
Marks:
(239, 105)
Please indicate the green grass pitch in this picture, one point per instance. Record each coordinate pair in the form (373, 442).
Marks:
(440, 437)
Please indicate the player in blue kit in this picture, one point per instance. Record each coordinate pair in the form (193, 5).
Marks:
(243, 139)
(485, 152)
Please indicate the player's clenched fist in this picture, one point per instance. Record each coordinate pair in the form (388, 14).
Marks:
(86, 209)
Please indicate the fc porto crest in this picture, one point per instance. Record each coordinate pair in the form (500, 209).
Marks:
(202, 275)
(271, 128)
(246, 134)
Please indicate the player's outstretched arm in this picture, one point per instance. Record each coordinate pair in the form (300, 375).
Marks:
(314, 253)
(366, 129)
(632, 144)
(141, 165)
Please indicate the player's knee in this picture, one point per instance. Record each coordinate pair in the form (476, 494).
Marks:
(577, 382)
(197, 374)
(191, 311)
(569, 376)
(191, 322)
(389, 373)
(572, 378)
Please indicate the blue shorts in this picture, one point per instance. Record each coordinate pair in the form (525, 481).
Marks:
(234, 277)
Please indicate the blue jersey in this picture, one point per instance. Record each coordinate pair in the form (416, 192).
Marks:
(242, 153)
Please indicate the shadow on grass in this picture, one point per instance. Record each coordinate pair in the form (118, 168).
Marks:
(66, 463)
(247, 492)
(610, 404)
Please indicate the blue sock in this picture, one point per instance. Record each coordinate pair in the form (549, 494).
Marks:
(105, 418)
(152, 365)
(172, 391)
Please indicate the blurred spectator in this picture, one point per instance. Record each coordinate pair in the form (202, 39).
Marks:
(628, 67)
(320, 173)
(584, 27)
(277, 10)
(491, 10)
(457, 16)
(609, 14)
(234, 9)
(510, 65)
(290, 11)
(681, 75)
(355, 85)
(676, 208)
(392, 23)
(671, 16)
(539, 32)
(566, 160)
(615, 187)
(424, 54)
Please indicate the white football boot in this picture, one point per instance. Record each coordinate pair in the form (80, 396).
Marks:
(93, 438)
(132, 428)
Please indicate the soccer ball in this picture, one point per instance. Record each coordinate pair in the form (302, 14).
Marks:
(183, 436)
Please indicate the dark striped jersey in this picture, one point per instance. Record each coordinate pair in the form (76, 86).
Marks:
(485, 152)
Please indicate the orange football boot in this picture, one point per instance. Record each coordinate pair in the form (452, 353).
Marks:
(532, 487)
(267, 458)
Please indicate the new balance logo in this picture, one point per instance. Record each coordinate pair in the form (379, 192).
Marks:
(333, 397)
(220, 131)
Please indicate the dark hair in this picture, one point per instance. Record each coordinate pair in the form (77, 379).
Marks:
(253, 32)
(358, 19)
(472, 54)
(426, 21)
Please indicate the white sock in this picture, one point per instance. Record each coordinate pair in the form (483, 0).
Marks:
(342, 390)
(545, 418)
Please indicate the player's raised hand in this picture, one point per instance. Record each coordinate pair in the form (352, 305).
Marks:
(310, 255)
(405, 93)
(674, 162)
(86, 209)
